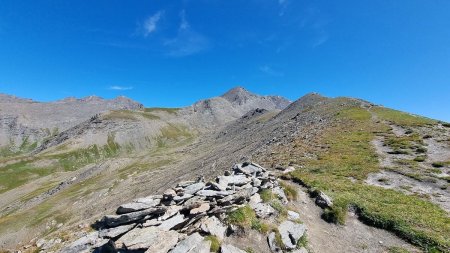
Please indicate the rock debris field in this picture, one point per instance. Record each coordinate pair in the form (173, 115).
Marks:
(185, 218)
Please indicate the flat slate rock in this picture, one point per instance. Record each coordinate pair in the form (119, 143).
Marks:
(234, 180)
(135, 206)
(115, 232)
(193, 188)
(263, 210)
(213, 226)
(172, 222)
(272, 244)
(290, 233)
(117, 220)
(191, 244)
(151, 239)
(228, 248)
(211, 193)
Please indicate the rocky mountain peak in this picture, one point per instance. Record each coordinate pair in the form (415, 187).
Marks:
(238, 95)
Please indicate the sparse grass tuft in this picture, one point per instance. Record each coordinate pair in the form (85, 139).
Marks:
(267, 195)
(215, 243)
(290, 191)
(242, 216)
(160, 109)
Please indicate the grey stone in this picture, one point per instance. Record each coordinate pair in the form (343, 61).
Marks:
(169, 194)
(272, 245)
(281, 195)
(288, 170)
(323, 200)
(151, 239)
(115, 232)
(256, 182)
(182, 198)
(254, 199)
(228, 248)
(185, 184)
(193, 188)
(193, 202)
(293, 215)
(211, 193)
(237, 198)
(203, 208)
(263, 210)
(233, 180)
(117, 220)
(172, 222)
(152, 222)
(133, 207)
(192, 243)
(85, 243)
(171, 211)
(213, 226)
(149, 199)
(216, 186)
(290, 233)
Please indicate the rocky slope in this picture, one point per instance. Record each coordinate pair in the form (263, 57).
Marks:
(121, 155)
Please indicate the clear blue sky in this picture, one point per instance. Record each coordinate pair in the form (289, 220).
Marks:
(172, 53)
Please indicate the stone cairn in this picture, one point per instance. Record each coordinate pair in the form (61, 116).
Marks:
(177, 220)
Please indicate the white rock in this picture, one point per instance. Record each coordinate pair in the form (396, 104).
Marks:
(290, 233)
(293, 215)
(151, 239)
(213, 226)
(228, 248)
(172, 222)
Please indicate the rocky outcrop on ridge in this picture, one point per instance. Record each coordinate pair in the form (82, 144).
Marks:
(180, 219)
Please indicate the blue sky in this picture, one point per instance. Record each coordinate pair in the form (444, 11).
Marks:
(172, 53)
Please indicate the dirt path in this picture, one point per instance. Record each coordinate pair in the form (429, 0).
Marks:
(353, 237)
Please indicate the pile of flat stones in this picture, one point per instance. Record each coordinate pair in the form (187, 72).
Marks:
(178, 220)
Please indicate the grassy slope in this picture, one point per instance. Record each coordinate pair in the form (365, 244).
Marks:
(351, 156)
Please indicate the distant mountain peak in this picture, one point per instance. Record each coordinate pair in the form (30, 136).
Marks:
(238, 95)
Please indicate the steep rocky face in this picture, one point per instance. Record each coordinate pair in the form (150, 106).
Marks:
(230, 106)
(25, 120)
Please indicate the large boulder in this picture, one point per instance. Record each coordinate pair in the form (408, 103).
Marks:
(290, 233)
(233, 180)
(85, 243)
(151, 239)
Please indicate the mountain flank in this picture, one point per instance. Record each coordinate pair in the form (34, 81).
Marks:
(386, 172)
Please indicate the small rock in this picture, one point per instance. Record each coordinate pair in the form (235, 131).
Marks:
(281, 195)
(272, 245)
(152, 222)
(263, 210)
(288, 170)
(213, 226)
(194, 188)
(192, 243)
(290, 233)
(293, 215)
(185, 184)
(133, 207)
(323, 200)
(115, 232)
(255, 199)
(182, 198)
(169, 194)
(228, 248)
(211, 193)
(172, 222)
(201, 209)
(151, 239)
(117, 220)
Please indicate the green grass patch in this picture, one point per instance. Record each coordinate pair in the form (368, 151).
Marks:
(402, 118)
(266, 195)
(160, 109)
(397, 250)
(290, 191)
(242, 216)
(350, 154)
(420, 158)
(215, 243)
